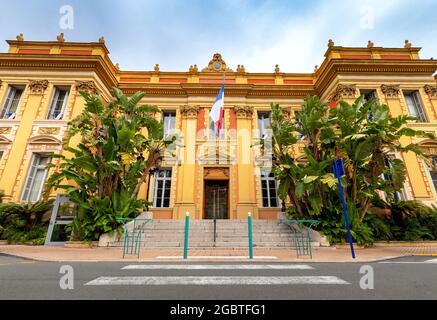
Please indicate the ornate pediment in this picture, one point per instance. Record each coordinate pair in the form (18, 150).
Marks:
(190, 112)
(217, 64)
(87, 86)
(243, 112)
(38, 86)
(4, 140)
(5, 130)
(390, 90)
(344, 91)
(44, 139)
(431, 91)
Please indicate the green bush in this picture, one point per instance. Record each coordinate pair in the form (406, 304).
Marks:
(24, 223)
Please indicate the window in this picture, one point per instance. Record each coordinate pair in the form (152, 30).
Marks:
(36, 177)
(169, 119)
(369, 95)
(12, 101)
(268, 187)
(59, 102)
(397, 195)
(264, 122)
(213, 134)
(415, 106)
(433, 173)
(161, 192)
(299, 135)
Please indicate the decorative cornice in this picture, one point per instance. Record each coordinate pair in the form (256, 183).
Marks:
(390, 90)
(189, 112)
(431, 91)
(87, 86)
(38, 86)
(344, 91)
(243, 112)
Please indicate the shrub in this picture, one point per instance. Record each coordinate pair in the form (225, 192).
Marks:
(24, 222)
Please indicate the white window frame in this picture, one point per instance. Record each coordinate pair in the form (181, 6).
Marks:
(430, 177)
(9, 100)
(419, 109)
(55, 98)
(374, 94)
(400, 194)
(172, 115)
(34, 168)
(262, 129)
(166, 180)
(267, 178)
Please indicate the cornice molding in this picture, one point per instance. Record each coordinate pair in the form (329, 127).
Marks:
(328, 73)
(60, 63)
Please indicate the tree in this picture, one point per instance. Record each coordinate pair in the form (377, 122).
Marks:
(120, 143)
(364, 134)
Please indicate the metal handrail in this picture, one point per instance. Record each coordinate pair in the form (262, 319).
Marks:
(302, 241)
(136, 241)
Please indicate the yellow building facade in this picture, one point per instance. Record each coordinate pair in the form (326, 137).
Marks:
(212, 177)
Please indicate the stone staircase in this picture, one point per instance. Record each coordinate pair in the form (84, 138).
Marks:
(229, 234)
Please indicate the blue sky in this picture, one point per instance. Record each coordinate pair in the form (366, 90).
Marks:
(255, 33)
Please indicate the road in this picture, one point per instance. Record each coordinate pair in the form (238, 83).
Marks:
(403, 278)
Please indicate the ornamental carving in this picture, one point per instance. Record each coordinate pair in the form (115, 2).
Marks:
(429, 90)
(38, 86)
(217, 64)
(193, 69)
(6, 130)
(49, 131)
(86, 86)
(243, 112)
(344, 91)
(390, 90)
(190, 111)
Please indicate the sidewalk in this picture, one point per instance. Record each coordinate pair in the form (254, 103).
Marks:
(320, 254)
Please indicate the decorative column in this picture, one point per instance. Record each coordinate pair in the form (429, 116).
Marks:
(413, 164)
(187, 173)
(246, 198)
(28, 111)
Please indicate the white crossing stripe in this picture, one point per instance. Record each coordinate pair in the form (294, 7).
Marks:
(431, 261)
(217, 257)
(218, 267)
(410, 262)
(218, 281)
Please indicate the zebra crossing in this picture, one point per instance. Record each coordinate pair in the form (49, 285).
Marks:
(215, 279)
(430, 261)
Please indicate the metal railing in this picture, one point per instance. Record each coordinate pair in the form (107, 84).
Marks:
(132, 242)
(302, 235)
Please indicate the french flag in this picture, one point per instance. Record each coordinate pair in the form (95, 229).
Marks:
(216, 113)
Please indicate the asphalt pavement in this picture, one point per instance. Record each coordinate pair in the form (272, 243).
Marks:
(402, 278)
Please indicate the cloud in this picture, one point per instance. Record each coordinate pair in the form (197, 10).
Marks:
(255, 33)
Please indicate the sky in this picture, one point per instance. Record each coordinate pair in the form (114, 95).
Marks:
(255, 33)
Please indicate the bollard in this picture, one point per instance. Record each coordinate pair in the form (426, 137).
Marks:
(187, 222)
(249, 229)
